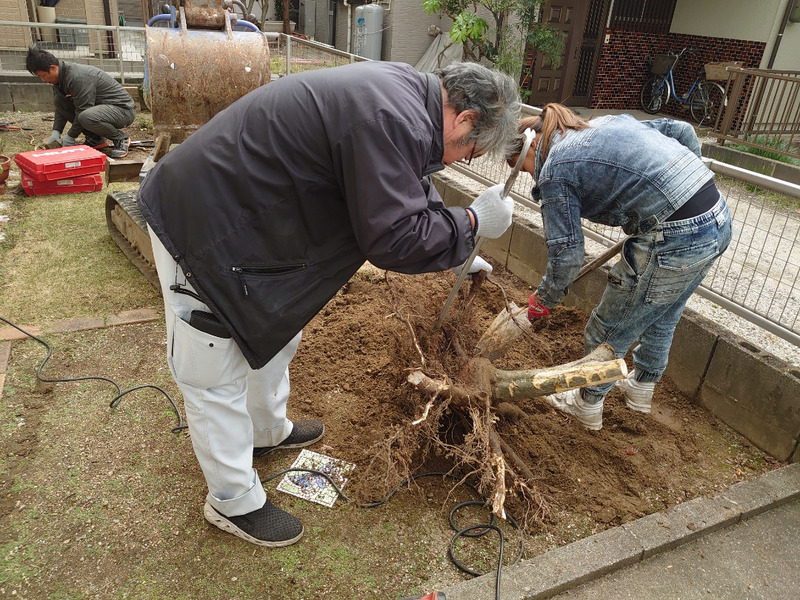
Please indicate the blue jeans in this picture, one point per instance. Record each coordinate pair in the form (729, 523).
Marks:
(648, 289)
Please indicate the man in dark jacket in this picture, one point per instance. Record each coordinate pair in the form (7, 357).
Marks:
(261, 215)
(93, 101)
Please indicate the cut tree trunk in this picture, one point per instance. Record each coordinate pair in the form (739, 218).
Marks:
(480, 379)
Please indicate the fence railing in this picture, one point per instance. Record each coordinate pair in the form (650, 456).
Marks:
(757, 278)
(763, 111)
(120, 51)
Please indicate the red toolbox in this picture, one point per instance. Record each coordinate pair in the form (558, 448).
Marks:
(60, 163)
(84, 183)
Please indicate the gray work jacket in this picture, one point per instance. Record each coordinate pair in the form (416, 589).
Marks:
(86, 86)
(277, 201)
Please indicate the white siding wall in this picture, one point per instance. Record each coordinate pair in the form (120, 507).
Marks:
(735, 19)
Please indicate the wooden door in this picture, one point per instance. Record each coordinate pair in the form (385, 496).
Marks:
(546, 85)
(586, 55)
(570, 79)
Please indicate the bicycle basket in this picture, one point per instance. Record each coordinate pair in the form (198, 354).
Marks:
(718, 71)
(662, 63)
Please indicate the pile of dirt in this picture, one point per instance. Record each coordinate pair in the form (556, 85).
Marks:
(351, 372)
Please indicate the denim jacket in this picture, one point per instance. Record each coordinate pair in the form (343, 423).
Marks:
(619, 172)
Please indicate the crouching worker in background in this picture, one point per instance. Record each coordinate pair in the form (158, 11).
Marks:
(648, 178)
(95, 103)
(262, 214)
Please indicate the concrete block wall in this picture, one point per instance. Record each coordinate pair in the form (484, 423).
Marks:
(25, 96)
(755, 393)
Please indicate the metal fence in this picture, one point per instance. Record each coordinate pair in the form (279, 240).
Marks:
(767, 113)
(117, 50)
(120, 51)
(756, 278)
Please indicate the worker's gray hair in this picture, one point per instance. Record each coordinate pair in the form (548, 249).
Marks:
(495, 98)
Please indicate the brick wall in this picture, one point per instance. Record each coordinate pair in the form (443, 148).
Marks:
(14, 37)
(624, 64)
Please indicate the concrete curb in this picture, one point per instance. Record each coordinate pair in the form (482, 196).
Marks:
(590, 558)
(127, 317)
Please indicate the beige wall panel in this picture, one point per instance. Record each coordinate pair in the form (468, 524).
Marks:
(735, 19)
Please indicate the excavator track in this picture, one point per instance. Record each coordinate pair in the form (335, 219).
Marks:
(129, 231)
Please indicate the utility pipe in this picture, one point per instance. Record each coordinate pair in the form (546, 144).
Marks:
(777, 43)
(349, 23)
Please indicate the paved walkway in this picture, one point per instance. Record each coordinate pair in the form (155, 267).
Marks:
(754, 559)
(738, 545)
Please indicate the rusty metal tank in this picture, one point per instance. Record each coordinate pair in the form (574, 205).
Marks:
(192, 71)
(195, 66)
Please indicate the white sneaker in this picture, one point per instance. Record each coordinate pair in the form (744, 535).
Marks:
(570, 402)
(638, 395)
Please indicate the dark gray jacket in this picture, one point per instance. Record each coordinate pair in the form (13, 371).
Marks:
(272, 205)
(86, 86)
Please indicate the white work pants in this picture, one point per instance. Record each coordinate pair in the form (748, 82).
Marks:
(230, 408)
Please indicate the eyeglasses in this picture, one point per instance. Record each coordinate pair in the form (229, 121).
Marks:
(468, 159)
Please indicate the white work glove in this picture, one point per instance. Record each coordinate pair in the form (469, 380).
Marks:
(493, 212)
(477, 265)
(68, 140)
(54, 137)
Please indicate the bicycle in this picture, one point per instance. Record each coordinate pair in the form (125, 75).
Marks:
(704, 98)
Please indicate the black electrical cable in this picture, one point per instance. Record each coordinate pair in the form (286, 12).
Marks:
(480, 529)
(120, 392)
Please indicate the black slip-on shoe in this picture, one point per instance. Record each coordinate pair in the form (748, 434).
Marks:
(268, 526)
(304, 433)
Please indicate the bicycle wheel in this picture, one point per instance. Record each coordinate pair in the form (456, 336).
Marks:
(706, 101)
(655, 94)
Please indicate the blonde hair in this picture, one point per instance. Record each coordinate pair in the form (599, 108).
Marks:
(554, 117)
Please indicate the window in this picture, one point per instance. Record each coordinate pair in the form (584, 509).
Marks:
(653, 16)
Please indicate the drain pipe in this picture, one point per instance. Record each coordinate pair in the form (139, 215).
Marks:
(777, 43)
(349, 23)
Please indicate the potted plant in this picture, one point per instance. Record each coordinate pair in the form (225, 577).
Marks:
(5, 165)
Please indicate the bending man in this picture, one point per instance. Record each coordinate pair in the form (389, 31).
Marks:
(260, 216)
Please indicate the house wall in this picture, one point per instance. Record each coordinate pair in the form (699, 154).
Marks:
(743, 21)
(727, 19)
(407, 37)
(18, 37)
(625, 60)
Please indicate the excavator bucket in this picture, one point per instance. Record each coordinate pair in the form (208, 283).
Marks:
(197, 63)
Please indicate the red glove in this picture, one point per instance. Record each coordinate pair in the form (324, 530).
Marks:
(536, 310)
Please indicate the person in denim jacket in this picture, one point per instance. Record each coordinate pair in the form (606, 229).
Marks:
(647, 178)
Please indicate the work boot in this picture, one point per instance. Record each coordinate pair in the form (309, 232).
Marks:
(638, 395)
(120, 149)
(95, 141)
(571, 402)
(267, 526)
(304, 433)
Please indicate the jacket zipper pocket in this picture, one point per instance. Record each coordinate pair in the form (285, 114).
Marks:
(244, 272)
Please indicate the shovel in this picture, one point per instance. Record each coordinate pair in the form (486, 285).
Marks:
(529, 135)
(508, 326)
